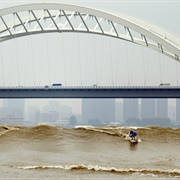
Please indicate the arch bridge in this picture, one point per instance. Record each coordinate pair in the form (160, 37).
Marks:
(40, 18)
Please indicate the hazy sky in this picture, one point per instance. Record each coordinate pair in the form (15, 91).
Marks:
(78, 59)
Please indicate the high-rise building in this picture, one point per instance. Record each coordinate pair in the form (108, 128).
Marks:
(162, 108)
(130, 109)
(172, 113)
(102, 110)
(31, 115)
(14, 110)
(148, 108)
(178, 111)
(57, 110)
(119, 112)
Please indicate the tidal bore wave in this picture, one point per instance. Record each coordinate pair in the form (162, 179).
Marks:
(89, 151)
(175, 173)
(157, 134)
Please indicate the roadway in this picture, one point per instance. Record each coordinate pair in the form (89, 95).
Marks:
(91, 92)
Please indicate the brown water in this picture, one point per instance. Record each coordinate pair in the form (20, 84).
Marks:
(49, 152)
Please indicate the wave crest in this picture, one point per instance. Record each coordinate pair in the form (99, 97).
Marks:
(174, 173)
(50, 133)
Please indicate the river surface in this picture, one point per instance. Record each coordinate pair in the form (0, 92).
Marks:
(86, 152)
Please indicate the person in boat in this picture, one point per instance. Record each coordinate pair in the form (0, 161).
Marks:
(132, 134)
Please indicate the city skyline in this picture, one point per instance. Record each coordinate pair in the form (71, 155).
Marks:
(75, 104)
(95, 108)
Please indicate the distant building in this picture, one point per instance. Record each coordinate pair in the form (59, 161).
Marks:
(172, 113)
(148, 108)
(102, 110)
(119, 112)
(13, 112)
(178, 111)
(130, 109)
(31, 118)
(78, 118)
(56, 110)
(162, 108)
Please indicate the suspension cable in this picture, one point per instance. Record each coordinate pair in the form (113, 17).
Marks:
(79, 58)
(144, 70)
(32, 58)
(71, 61)
(95, 59)
(2, 66)
(101, 61)
(32, 55)
(177, 74)
(116, 67)
(160, 68)
(127, 64)
(56, 59)
(63, 58)
(27, 50)
(111, 57)
(16, 51)
(85, 73)
(47, 47)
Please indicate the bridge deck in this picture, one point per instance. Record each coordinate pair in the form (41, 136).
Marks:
(90, 92)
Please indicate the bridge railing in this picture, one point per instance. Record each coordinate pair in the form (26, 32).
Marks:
(86, 87)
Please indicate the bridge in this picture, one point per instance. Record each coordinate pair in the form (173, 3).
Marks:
(33, 19)
(90, 92)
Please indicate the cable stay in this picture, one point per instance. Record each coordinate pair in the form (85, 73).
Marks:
(79, 59)
(144, 69)
(116, 65)
(71, 60)
(2, 66)
(32, 55)
(32, 59)
(177, 79)
(41, 60)
(57, 57)
(16, 51)
(27, 50)
(127, 57)
(95, 58)
(160, 72)
(101, 61)
(111, 59)
(94, 50)
(63, 58)
(86, 60)
(47, 47)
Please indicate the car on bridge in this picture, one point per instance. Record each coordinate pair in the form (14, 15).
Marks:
(56, 85)
(164, 84)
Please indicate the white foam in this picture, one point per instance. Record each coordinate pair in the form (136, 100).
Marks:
(175, 172)
(86, 127)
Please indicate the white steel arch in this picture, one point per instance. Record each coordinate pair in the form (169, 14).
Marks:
(31, 19)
